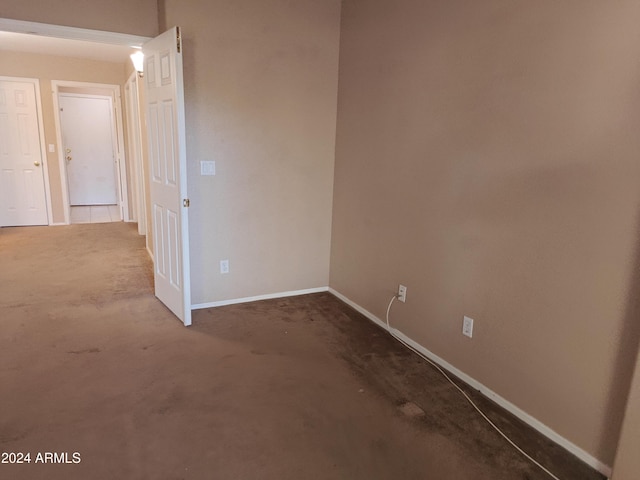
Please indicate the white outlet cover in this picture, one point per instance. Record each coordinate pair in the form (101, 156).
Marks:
(402, 293)
(467, 327)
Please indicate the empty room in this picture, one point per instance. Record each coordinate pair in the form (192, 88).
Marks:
(349, 239)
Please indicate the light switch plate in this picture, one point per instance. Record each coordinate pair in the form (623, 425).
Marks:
(207, 167)
(52, 148)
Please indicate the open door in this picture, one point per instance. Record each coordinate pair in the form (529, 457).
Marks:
(168, 171)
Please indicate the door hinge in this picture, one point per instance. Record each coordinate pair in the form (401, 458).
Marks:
(186, 202)
(178, 39)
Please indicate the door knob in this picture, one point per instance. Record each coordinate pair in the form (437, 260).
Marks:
(68, 158)
(36, 163)
(68, 150)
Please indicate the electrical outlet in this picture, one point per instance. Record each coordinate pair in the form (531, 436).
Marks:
(224, 266)
(467, 327)
(402, 293)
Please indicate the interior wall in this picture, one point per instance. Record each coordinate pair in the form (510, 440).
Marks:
(260, 92)
(47, 68)
(487, 158)
(139, 17)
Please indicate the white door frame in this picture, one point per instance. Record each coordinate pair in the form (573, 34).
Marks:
(71, 33)
(43, 149)
(134, 128)
(118, 147)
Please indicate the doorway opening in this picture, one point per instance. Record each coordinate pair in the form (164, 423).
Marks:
(92, 156)
(167, 163)
(33, 48)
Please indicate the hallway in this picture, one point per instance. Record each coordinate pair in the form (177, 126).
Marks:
(296, 388)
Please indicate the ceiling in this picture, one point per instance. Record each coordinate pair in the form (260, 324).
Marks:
(106, 52)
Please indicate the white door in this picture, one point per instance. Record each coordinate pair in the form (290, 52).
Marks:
(87, 128)
(168, 171)
(22, 189)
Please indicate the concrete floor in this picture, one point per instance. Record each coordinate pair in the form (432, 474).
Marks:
(297, 388)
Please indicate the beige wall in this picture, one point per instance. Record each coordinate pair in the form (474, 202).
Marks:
(260, 92)
(627, 463)
(139, 17)
(47, 68)
(487, 158)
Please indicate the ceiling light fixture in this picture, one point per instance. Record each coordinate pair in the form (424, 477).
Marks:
(138, 62)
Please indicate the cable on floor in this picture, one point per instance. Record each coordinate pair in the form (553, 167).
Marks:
(464, 394)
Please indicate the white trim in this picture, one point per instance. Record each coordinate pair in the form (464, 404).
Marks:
(269, 296)
(510, 407)
(131, 148)
(141, 170)
(149, 250)
(43, 147)
(64, 186)
(122, 155)
(134, 135)
(44, 150)
(75, 84)
(72, 33)
(118, 140)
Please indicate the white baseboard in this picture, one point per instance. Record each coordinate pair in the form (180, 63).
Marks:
(58, 224)
(268, 296)
(510, 407)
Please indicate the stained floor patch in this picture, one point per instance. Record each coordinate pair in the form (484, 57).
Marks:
(410, 409)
